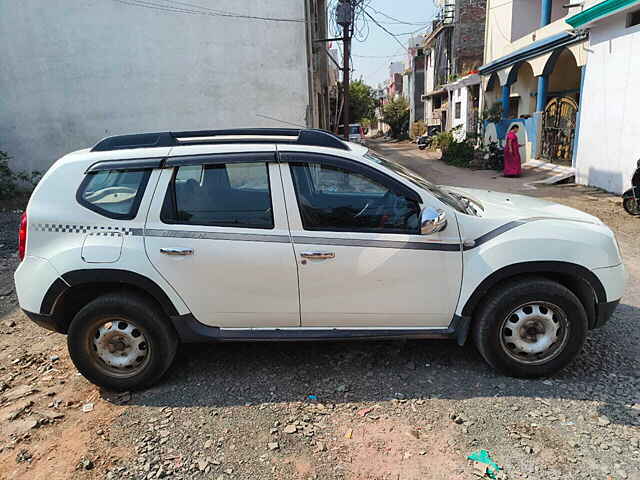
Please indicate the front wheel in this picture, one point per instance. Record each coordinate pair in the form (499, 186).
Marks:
(121, 342)
(630, 204)
(530, 328)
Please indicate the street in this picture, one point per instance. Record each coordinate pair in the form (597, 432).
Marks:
(351, 410)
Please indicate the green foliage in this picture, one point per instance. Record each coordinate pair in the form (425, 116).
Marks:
(396, 115)
(10, 180)
(361, 102)
(418, 128)
(442, 141)
(459, 154)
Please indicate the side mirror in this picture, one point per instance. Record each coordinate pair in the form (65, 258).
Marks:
(432, 221)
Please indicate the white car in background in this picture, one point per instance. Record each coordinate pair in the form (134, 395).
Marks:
(146, 241)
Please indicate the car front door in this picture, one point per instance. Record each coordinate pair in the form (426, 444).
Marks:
(361, 259)
(217, 232)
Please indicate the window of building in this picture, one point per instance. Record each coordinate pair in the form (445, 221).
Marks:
(514, 105)
(225, 195)
(458, 110)
(633, 19)
(331, 198)
(114, 193)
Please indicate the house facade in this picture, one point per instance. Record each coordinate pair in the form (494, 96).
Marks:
(453, 51)
(532, 76)
(74, 72)
(609, 122)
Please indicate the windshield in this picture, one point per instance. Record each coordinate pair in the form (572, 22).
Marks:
(416, 179)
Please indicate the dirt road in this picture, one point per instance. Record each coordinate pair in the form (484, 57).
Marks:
(379, 410)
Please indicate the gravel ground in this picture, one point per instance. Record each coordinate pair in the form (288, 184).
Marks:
(352, 410)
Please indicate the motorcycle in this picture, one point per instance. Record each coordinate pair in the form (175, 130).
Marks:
(631, 198)
(425, 140)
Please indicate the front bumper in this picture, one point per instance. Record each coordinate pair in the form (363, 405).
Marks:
(45, 321)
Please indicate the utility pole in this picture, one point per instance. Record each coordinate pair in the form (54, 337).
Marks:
(344, 16)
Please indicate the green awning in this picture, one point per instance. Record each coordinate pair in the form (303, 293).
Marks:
(600, 10)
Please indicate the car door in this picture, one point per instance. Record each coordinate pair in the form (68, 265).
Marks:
(361, 259)
(217, 232)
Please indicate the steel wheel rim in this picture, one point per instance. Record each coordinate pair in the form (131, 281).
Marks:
(534, 333)
(119, 347)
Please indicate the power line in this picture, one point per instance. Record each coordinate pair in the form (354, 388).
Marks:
(172, 8)
(383, 28)
(395, 19)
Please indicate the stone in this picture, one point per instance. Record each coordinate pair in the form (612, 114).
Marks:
(291, 428)
(341, 388)
(604, 421)
(9, 323)
(18, 392)
(273, 446)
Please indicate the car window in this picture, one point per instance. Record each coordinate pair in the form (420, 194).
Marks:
(227, 195)
(113, 193)
(333, 198)
(355, 130)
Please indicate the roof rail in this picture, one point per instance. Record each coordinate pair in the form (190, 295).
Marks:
(295, 136)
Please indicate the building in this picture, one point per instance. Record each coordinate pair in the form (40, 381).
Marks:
(414, 78)
(534, 63)
(609, 122)
(396, 80)
(74, 72)
(453, 52)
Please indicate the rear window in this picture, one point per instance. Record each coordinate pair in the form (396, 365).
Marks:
(355, 130)
(114, 193)
(225, 195)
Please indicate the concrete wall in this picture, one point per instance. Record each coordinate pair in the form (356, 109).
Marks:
(74, 72)
(609, 122)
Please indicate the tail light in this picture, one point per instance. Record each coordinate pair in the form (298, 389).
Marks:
(22, 236)
(361, 131)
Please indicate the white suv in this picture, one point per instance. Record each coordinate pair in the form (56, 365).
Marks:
(146, 241)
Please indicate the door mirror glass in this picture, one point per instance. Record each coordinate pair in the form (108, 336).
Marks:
(432, 221)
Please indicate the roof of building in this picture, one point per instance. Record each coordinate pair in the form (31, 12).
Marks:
(599, 11)
(532, 50)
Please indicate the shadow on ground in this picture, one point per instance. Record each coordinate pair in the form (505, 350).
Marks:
(236, 374)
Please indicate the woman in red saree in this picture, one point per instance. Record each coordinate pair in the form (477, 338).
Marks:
(512, 162)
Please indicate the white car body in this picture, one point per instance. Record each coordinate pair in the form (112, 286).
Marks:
(252, 283)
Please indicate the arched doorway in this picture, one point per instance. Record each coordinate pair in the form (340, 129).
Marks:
(560, 114)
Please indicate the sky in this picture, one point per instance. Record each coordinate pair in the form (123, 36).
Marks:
(381, 45)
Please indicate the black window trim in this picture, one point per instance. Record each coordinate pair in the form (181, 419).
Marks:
(382, 178)
(142, 188)
(219, 158)
(170, 203)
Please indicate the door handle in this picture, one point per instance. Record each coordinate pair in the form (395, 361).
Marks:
(176, 251)
(318, 255)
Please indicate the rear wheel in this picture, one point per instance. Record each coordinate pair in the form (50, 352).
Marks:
(531, 327)
(121, 342)
(630, 204)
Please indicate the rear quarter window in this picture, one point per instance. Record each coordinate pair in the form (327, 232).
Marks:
(114, 193)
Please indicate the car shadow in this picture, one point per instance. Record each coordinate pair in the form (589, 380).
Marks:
(237, 374)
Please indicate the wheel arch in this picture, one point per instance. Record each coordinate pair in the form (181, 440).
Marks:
(580, 280)
(68, 294)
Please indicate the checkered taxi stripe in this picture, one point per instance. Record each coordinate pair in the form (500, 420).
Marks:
(96, 230)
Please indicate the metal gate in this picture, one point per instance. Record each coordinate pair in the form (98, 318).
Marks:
(558, 130)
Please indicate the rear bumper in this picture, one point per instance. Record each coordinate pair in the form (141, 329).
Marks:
(604, 311)
(45, 321)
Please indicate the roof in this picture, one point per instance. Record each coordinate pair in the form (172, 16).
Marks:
(599, 11)
(532, 50)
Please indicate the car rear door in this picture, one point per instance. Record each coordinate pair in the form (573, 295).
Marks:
(217, 232)
(362, 262)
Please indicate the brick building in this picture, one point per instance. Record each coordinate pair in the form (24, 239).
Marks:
(453, 52)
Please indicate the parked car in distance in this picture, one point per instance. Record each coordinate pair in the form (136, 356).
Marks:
(150, 240)
(356, 132)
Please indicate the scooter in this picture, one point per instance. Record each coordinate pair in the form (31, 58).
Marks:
(631, 198)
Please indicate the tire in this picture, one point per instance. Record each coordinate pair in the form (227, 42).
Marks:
(542, 312)
(422, 147)
(630, 204)
(121, 342)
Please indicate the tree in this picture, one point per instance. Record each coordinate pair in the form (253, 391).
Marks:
(396, 115)
(362, 102)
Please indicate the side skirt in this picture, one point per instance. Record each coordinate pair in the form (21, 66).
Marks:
(190, 330)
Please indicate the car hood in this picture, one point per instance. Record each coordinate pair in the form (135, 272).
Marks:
(515, 207)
